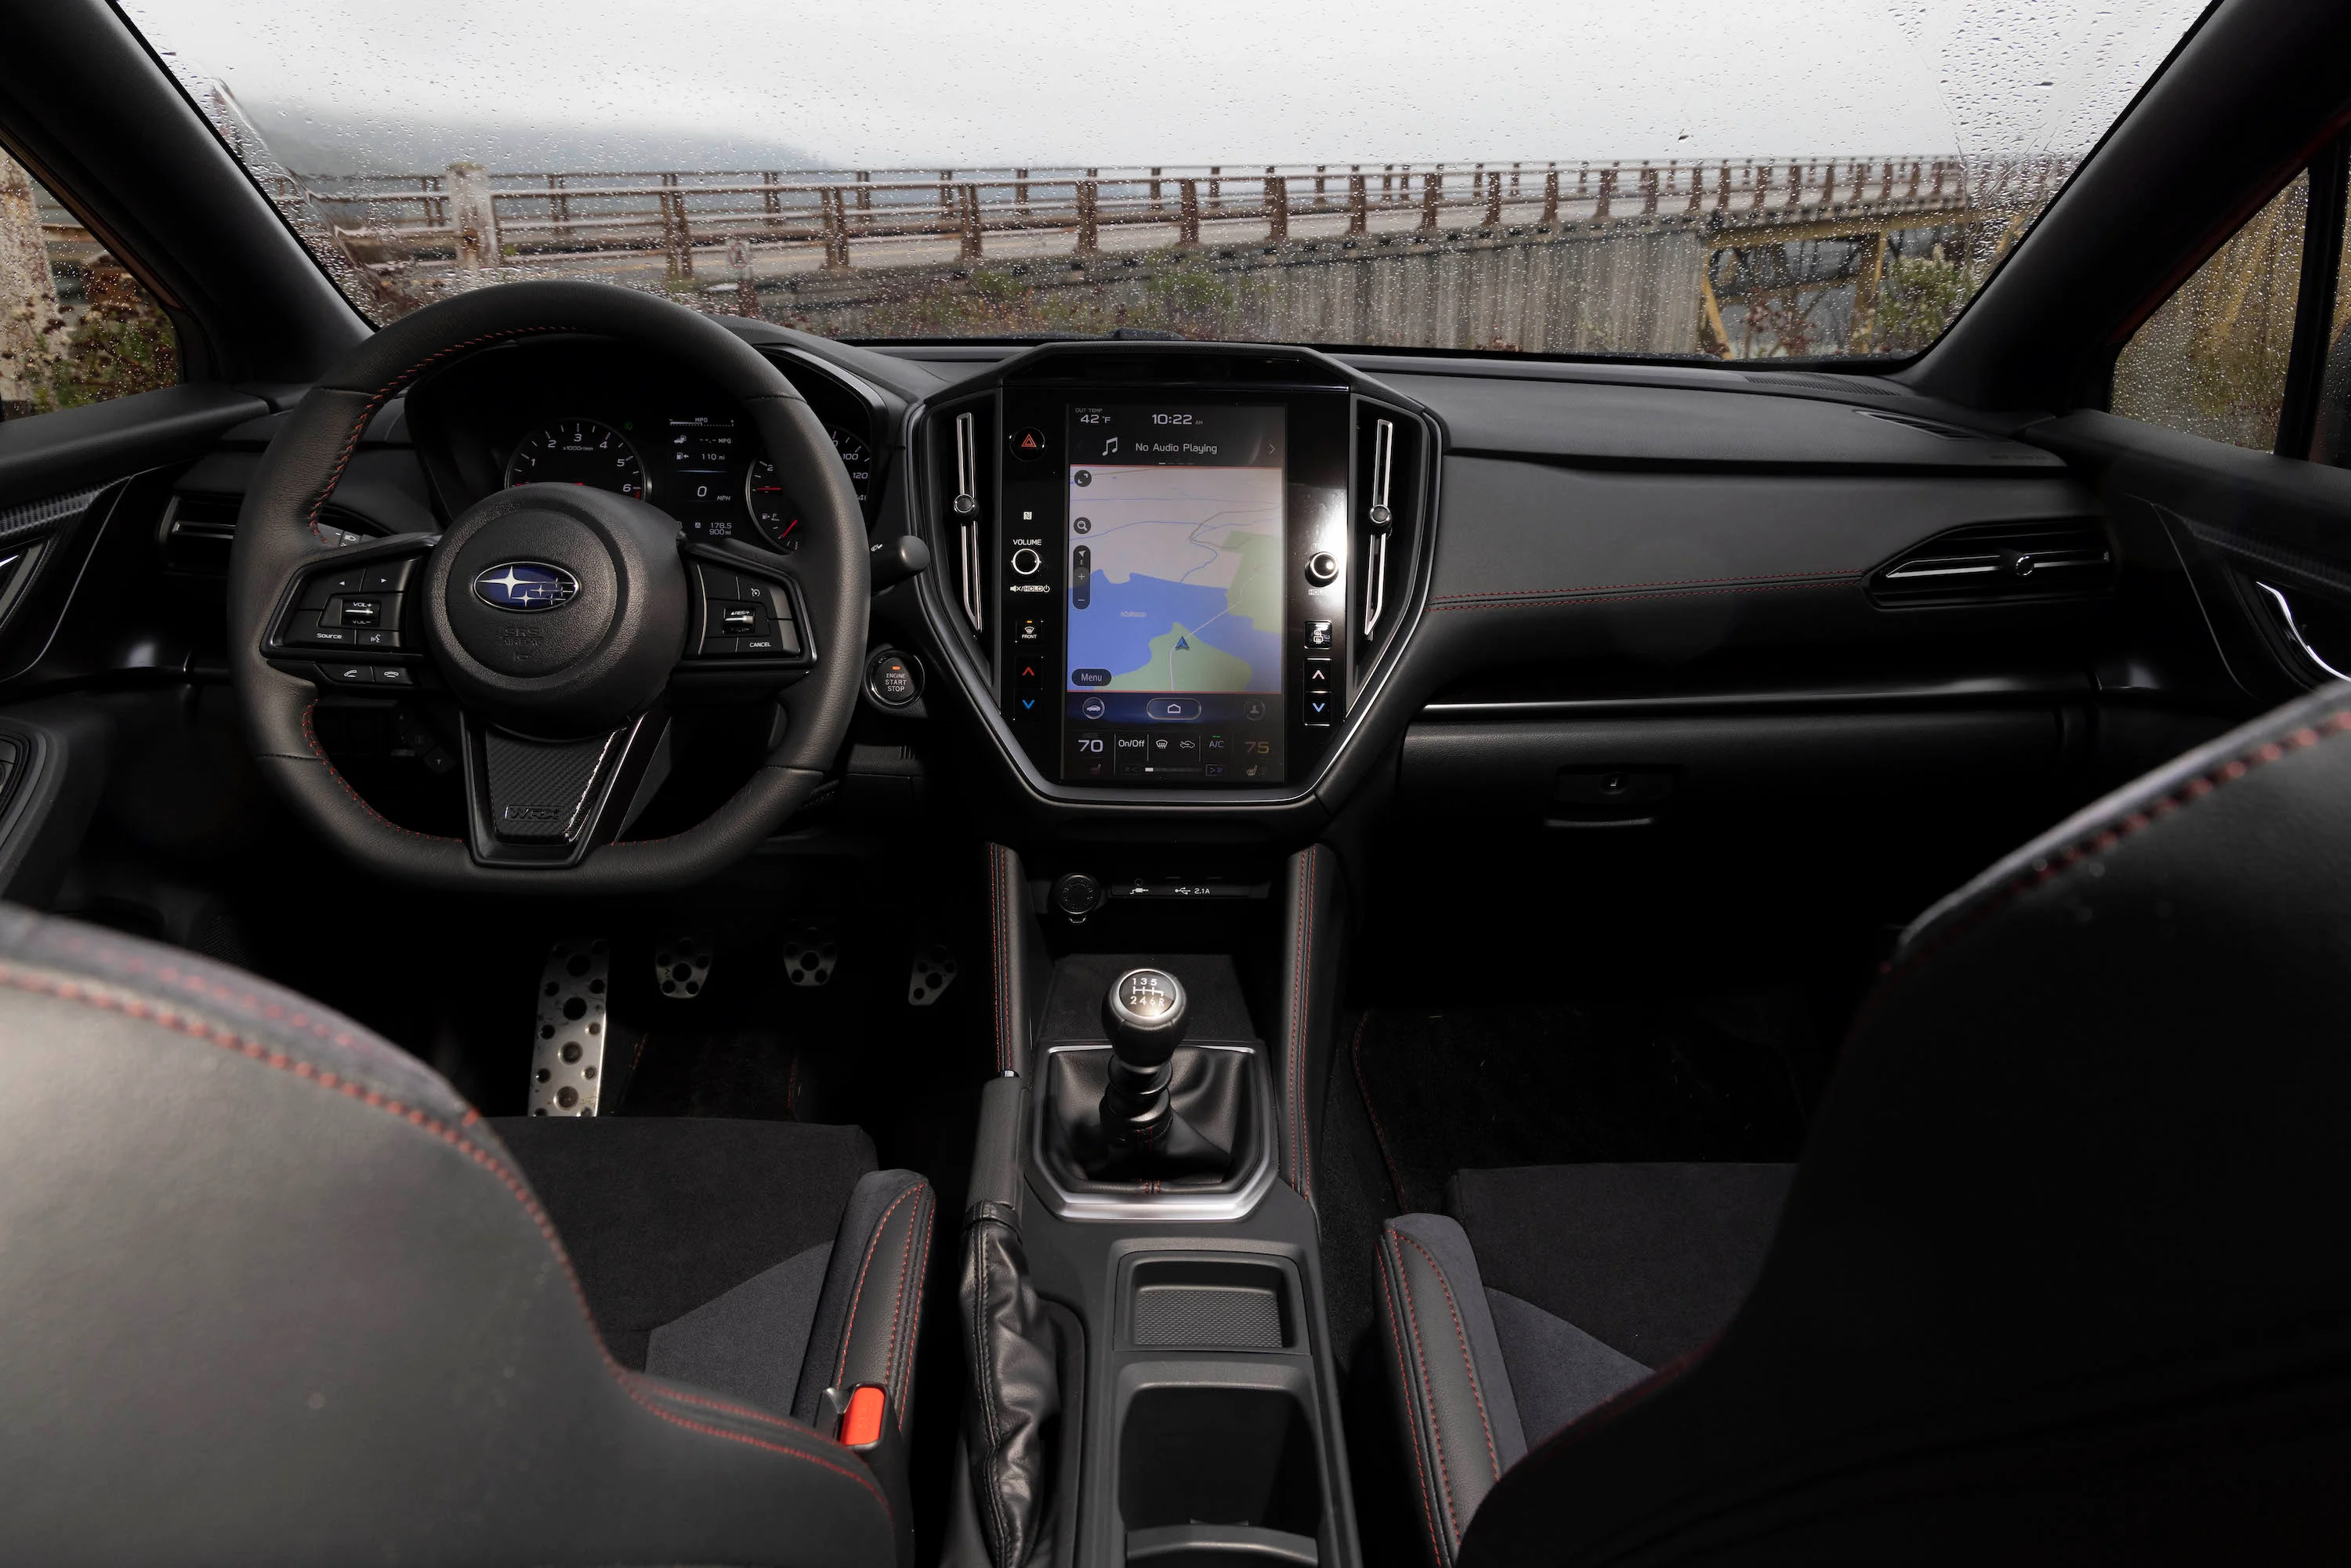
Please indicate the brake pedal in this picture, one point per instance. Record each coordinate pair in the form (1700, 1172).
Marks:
(934, 971)
(682, 967)
(811, 952)
(567, 1057)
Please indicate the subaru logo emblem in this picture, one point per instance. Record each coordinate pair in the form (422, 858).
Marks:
(525, 586)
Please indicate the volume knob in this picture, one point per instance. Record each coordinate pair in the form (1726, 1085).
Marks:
(1323, 568)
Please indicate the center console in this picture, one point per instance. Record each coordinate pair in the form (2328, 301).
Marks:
(1178, 567)
(1142, 1289)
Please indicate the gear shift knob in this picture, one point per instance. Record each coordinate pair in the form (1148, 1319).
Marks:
(1144, 1015)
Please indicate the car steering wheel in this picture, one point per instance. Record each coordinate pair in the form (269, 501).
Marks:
(557, 617)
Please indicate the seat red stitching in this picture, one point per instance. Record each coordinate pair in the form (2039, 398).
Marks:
(1825, 572)
(2099, 841)
(1412, 1424)
(104, 950)
(1379, 1134)
(360, 801)
(1427, 1389)
(898, 1297)
(1476, 1392)
(849, 1328)
(923, 1215)
(1571, 598)
(145, 1011)
(770, 1417)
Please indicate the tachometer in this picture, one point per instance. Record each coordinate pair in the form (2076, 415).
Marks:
(579, 452)
(777, 516)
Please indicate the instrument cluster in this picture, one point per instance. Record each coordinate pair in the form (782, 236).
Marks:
(699, 468)
(577, 414)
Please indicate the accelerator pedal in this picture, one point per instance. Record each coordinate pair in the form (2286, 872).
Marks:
(682, 967)
(566, 1056)
(934, 971)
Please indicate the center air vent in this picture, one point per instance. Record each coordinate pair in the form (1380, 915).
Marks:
(2000, 562)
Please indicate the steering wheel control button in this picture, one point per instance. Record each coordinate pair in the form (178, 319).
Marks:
(892, 680)
(1025, 561)
(1322, 568)
(1077, 896)
(395, 675)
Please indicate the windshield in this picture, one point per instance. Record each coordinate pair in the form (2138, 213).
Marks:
(1731, 179)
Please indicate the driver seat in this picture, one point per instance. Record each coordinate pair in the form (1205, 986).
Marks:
(273, 1291)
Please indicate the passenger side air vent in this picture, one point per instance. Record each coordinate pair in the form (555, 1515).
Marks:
(2000, 562)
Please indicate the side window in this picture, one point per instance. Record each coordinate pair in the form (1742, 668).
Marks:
(75, 327)
(2213, 360)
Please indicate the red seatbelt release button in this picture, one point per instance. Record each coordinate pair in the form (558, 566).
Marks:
(860, 1424)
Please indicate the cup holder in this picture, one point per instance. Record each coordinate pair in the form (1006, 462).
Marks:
(1212, 1477)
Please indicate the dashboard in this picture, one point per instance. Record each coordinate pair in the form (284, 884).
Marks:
(1212, 578)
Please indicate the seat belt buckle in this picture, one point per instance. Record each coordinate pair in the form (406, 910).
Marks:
(862, 1419)
(863, 1423)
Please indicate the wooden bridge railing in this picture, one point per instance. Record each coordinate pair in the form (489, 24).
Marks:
(484, 219)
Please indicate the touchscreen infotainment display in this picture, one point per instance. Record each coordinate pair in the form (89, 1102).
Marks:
(1176, 557)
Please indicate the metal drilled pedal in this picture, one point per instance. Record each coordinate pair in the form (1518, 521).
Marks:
(567, 1055)
(810, 952)
(682, 967)
(934, 971)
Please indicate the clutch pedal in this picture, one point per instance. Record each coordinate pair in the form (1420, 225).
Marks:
(566, 1056)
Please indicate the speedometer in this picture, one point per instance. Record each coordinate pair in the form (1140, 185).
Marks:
(777, 516)
(579, 452)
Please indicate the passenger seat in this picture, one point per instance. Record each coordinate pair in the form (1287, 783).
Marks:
(1546, 1290)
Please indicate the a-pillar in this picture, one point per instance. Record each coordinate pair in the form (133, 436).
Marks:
(32, 329)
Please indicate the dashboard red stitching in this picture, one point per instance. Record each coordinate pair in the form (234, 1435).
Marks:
(1830, 572)
(1581, 596)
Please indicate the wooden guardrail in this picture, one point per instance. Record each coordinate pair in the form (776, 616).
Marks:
(472, 218)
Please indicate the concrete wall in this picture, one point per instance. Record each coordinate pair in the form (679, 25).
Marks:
(1620, 290)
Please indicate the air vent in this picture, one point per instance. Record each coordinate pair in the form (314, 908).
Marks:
(197, 532)
(2000, 562)
(200, 526)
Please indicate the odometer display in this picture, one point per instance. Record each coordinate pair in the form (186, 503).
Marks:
(579, 452)
(776, 514)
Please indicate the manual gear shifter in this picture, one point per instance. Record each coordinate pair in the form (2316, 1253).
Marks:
(1143, 1013)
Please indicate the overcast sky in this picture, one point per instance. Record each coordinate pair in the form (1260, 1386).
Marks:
(339, 85)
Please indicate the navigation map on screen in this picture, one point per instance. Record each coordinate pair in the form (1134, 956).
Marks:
(1175, 551)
